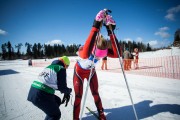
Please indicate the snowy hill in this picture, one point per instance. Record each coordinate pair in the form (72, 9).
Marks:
(174, 51)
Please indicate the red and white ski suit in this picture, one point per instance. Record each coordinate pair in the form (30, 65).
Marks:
(82, 71)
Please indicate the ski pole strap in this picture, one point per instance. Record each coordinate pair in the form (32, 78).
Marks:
(43, 87)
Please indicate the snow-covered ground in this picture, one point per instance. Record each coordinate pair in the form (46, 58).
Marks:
(161, 53)
(154, 98)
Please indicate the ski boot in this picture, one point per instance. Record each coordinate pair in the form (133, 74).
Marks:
(101, 115)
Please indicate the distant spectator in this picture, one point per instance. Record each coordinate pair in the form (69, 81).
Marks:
(104, 63)
(131, 60)
(126, 56)
(136, 58)
(30, 62)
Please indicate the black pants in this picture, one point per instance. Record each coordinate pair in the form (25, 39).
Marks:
(49, 103)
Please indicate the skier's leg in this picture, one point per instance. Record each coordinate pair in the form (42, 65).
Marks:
(106, 64)
(58, 100)
(137, 64)
(129, 64)
(50, 107)
(125, 64)
(134, 63)
(97, 99)
(46, 102)
(102, 67)
(78, 89)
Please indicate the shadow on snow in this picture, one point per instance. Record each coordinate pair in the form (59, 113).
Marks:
(7, 72)
(143, 109)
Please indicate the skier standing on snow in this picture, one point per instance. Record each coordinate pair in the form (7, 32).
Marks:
(136, 66)
(42, 91)
(126, 59)
(93, 50)
(104, 63)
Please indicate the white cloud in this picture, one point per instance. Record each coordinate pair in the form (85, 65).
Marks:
(174, 9)
(170, 17)
(171, 13)
(159, 43)
(2, 32)
(139, 39)
(163, 32)
(163, 28)
(53, 42)
(153, 43)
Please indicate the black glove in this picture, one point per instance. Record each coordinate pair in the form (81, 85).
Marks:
(109, 31)
(66, 99)
(97, 24)
(70, 90)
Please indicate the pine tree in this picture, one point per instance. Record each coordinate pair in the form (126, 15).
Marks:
(177, 38)
(29, 49)
(18, 49)
(148, 47)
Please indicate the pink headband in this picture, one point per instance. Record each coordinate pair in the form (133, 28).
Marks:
(100, 53)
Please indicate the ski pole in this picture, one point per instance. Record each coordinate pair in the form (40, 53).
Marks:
(89, 79)
(124, 74)
(85, 94)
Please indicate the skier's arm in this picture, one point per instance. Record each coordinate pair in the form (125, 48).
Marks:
(110, 26)
(113, 52)
(90, 42)
(61, 82)
(88, 46)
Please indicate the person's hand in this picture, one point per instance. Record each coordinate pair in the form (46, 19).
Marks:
(66, 99)
(109, 20)
(110, 24)
(101, 15)
(70, 90)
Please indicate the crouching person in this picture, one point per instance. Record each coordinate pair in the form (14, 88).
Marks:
(42, 90)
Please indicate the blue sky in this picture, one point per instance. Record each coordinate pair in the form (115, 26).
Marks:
(69, 21)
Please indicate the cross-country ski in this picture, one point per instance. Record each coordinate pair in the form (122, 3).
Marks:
(93, 113)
